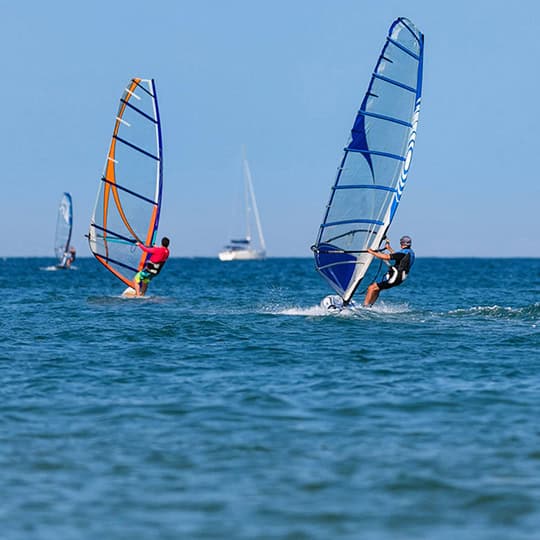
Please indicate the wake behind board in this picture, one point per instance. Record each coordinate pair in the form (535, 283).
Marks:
(55, 267)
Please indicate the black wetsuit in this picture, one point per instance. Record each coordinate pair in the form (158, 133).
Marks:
(397, 274)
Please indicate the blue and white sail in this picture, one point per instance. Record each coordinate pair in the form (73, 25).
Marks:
(375, 164)
(64, 225)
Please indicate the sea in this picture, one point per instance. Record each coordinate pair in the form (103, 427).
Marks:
(228, 405)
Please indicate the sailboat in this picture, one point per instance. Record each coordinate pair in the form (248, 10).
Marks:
(242, 249)
(64, 226)
(128, 202)
(374, 169)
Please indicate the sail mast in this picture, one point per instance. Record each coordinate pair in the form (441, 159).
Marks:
(251, 192)
(159, 148)
(247, 197)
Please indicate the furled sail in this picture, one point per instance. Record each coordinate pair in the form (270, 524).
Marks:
(64, 225)
(375, 165)
(129, 196)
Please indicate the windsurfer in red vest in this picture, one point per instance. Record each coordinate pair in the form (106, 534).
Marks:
(153, 266)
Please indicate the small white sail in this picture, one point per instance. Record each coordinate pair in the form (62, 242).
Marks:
(64, 224)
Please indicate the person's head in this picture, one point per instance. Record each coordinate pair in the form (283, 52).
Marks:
(405, 241)
(165, 242)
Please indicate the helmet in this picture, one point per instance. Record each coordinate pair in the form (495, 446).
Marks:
(407, 240)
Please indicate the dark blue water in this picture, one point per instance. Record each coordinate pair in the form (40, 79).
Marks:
(227, 405)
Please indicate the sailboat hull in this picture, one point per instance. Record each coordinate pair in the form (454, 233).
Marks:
(241, 255)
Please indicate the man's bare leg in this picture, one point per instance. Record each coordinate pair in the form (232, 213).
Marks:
(144, 286)
(372, 294)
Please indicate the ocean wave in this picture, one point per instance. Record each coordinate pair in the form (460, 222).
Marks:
(499, 312)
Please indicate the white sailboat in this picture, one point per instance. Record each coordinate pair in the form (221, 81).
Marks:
(244, 249)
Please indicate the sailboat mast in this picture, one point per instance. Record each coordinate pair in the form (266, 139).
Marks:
(250, 190)
(247, 204)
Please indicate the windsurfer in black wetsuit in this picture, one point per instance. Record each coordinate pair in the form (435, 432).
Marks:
(69, 258)
(72, 254)
(397, 273)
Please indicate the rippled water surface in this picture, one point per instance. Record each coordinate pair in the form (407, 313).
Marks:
(228, 405)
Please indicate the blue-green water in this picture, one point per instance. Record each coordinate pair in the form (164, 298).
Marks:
(228, 406)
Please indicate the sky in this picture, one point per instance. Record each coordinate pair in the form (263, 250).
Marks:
(284, 79)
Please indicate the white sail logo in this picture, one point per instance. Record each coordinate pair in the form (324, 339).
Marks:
(64, 210)
(408, 157)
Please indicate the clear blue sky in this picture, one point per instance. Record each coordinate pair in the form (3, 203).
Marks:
(285, 78)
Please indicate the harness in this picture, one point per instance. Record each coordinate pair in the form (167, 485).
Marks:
(399, 272)
(154, 268)
(393, 274)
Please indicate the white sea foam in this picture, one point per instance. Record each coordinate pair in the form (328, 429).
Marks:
(311, 311)
(382, 307)
(56, 268)
(351, 311)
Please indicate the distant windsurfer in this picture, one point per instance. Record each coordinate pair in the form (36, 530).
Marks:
(397, 273)
(69, 257)
(158, 256)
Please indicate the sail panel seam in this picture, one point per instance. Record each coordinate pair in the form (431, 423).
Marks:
(136, 109)
(376, 153)
(403, 48)
(114, 261)
(135, 147)
(143, 88)
(117, 235)
(347, 221)
(366, 186)
(394, 82)
(138, 195)
(384, 117)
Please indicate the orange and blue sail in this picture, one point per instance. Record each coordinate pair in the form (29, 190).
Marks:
(374, 168)
(128, 203)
